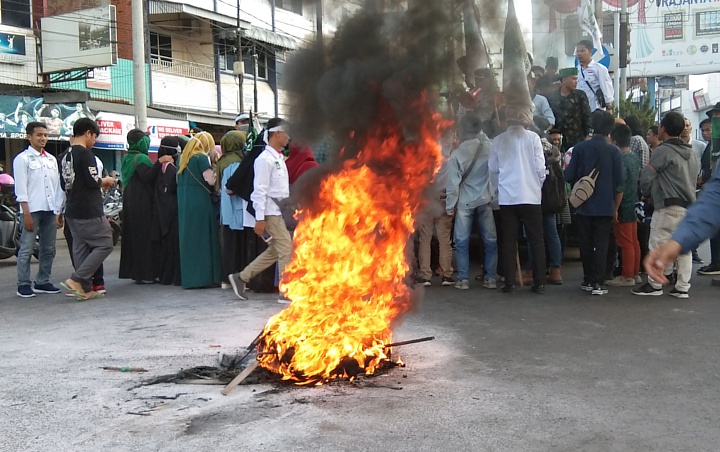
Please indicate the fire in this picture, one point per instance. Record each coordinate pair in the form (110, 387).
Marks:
(346, 278)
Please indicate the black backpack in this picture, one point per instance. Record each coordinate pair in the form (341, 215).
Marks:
(553, 189)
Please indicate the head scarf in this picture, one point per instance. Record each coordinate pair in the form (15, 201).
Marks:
(232, 145)
(169, 146)
(137, 155)
(200, 143)
(300, 160)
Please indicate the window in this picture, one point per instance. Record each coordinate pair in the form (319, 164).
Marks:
(262, 62)
(160, 49)
(290, 5)
(15, 13)
(227, 53)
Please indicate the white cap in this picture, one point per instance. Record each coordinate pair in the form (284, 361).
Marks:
(241, 117)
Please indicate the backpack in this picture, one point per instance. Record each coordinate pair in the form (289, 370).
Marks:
(585, 186)
(242, 181)
(553, 189)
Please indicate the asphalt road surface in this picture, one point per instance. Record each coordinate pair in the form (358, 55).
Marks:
(564, 371)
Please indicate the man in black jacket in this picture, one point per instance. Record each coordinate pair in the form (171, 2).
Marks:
(92, 234)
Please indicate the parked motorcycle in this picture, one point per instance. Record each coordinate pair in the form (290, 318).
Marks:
(11, 224)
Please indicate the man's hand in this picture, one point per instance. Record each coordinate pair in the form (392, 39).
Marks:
(616, 220)
(28, 222)
(107, 181)
(658, 259)
(166, 159)
(60, 221)
(260, 227)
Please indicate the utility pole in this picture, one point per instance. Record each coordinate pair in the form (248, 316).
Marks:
(138, 45)
(319, 13)
(623, 56)
(616, 72)
(238, 67)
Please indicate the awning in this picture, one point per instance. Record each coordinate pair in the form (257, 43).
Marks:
(170, 7)
(270, 37)
(114, 128)
(125, 109)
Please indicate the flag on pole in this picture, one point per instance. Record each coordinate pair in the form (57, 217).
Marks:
(586, 15)
(516, 66)
(253, 131)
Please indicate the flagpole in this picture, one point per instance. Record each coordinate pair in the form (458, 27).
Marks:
(623, 69)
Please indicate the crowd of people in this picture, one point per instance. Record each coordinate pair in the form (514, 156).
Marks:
(204, 216)
(181, 223)
(507, 181)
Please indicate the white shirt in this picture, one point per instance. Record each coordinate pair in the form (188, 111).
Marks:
(37, 181)
(271, 181)
(598, 77)
(517, 158)
(542, 108)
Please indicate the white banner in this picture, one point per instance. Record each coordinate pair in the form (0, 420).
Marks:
(586, 16)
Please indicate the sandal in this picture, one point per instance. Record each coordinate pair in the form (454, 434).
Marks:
(86, 296)
(67, 287)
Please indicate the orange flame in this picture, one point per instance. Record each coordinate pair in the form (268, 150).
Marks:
(346, 278)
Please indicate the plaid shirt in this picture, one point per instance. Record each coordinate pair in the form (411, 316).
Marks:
(641, 149)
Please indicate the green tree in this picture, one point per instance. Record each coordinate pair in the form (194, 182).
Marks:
(643, 110)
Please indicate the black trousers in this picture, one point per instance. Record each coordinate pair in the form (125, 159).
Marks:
(594, 234)
(715, 250)
(531, 216)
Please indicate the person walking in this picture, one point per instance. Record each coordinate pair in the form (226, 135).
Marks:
(137, 255)
(200, 262)
(269, 183)
(90, 229)
(517, 163)
(469, 196)
(669, 179)
(40, 196)
(595, 215)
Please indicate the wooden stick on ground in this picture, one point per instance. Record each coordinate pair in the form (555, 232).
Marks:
(519, 271)
(241, 376)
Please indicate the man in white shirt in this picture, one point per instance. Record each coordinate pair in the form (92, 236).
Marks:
(38, 191)
(594, 78)
(270, 183)
(517, 168)
(542, 106)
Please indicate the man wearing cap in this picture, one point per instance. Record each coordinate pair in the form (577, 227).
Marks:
(270, 184)
(242, 122)
(595, 80)
(571, 108)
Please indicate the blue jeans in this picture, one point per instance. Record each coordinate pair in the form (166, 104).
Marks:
(552, 242)
(44, 227)
(463, 228)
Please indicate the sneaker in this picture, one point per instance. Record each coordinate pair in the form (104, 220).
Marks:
(507, 289)
(238, 285)
(462, 284)
(539, 289)
(448, 281)
(597, 289)
(586, 286)
(490, 283)
(25, 291)
(678, 294)
(282, 299)
(647, 289)
(423, 282)
(45, 288)
(621, 281)
(638, 279)
(709, 270)
(696, 258)
(225, 286)
(99, 288)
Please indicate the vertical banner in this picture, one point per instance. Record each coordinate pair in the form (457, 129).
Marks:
(586, 15)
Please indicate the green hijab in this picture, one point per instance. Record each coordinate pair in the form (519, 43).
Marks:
(232, 145)
(137, 155)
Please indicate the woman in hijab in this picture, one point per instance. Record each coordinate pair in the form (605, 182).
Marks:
(232, 207)
(197, 215)
(165, 227)
(136, 251)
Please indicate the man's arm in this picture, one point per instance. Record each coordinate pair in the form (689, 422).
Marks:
(606, 86)
(452, 186)
(539, 158)
(546, 111)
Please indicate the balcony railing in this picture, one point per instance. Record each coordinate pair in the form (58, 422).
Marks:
(182, 68)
